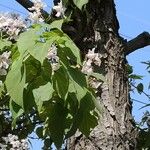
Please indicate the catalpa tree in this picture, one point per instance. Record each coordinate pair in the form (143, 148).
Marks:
(64, 75)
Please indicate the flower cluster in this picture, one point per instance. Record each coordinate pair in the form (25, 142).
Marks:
(11, 24)
(36, 16)
(4, 62)
(53, 58)
(12, 142)
(91, 58)
(60, 10)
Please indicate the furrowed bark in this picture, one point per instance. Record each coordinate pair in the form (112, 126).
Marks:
(116, 129)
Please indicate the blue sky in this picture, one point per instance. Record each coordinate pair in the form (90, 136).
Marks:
(134, 18)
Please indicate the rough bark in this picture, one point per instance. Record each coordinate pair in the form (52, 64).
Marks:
(116, 129)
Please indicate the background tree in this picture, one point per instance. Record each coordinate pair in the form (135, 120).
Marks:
(93, 26)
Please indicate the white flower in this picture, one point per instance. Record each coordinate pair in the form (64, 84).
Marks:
(60, 10)
(91, 54)
(14, 142)
(94, 56)
(12, 137)
(3, 146)
(36, 15)
(38, 5)
(53, 58)
(52, 52)
(4, 62)
(97, 60)
(3, 72)
(11, 24)
(91, 57)
(87, 67)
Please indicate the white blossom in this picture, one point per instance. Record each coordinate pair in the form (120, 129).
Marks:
(3, 146)
(36, 15)
(95, 57)
(11, 24)
(13, 143)
(4, 62)
(87, 67)
(60, 10)
(38, 5)
(12, 138)
(53, 58)
(91, 57)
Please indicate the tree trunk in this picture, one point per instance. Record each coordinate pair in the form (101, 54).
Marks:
(116, 129)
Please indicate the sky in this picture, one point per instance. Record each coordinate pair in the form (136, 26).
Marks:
(134, 18)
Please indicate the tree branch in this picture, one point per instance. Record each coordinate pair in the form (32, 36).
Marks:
(140, 41)
(28, 4)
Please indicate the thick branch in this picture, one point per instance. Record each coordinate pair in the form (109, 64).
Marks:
(140, 41)
(28, 4)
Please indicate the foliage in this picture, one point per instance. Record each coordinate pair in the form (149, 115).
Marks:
(45, 89)
(59, 99)
(144, 125)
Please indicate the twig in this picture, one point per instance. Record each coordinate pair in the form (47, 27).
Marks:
(139, 101)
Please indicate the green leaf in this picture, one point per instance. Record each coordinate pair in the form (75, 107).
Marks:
(73, 48)
(4, 43)
(66, 57)
(80, 3)
(57, 24)
(43, 93)
(140, 88)
(129, 69)
(40, 50)
(73, 107)
(46, 70)
(16, 111)
(33, 68)
(88, 117)
(15, 82)
(31, 99)
(77, 83)
(56, 123)
(134, 76)
(61, 82)
(27, 40)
